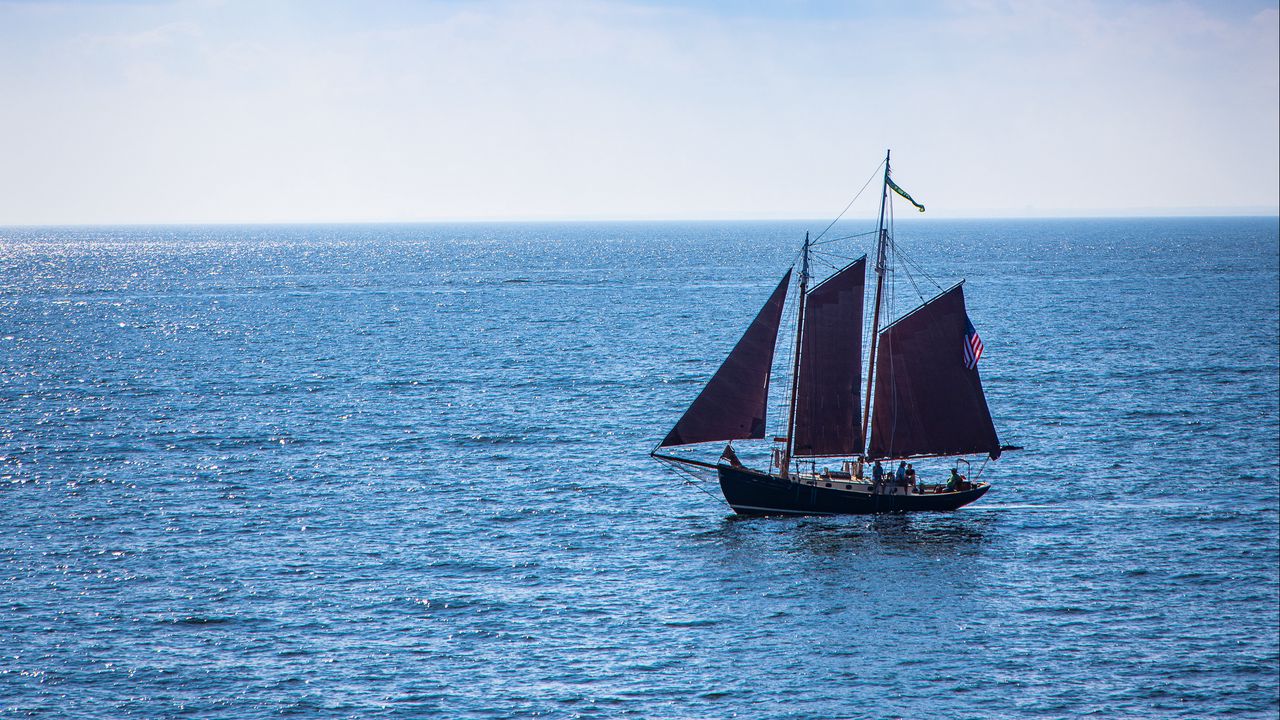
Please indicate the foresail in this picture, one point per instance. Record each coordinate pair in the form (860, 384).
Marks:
(827, 418)
(732, 405)
(927, 400)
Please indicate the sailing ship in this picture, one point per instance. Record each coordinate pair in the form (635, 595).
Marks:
(923, 396)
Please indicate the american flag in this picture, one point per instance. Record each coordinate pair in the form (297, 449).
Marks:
(972, 346)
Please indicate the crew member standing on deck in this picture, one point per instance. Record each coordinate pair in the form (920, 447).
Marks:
(877, 473)
(900, 477)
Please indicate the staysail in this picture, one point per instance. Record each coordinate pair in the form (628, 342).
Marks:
(927, 401)
(732, 405)
(827, 414)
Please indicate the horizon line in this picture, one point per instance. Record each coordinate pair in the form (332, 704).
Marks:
(1271, 214)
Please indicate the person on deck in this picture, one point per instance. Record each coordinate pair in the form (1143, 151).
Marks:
(900, 477)
(953, 482)
(877, 473)
(911, 475)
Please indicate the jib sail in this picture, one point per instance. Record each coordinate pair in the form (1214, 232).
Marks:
(732, 405)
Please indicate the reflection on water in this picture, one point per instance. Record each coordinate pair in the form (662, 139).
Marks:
(949, 531)
(927, 534)
(827, 533)
(878, 581)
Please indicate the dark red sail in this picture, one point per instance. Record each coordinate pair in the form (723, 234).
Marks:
(732, 405)
(827, 395)
(927, 402)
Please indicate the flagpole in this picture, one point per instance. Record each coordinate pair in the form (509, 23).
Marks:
(875, 322)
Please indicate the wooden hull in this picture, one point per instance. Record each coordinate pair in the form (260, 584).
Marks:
(751, 492)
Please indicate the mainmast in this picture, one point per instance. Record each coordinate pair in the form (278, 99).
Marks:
(795, 368)
(881, 250)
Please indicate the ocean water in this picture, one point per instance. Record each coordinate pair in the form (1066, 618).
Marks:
(402, 471)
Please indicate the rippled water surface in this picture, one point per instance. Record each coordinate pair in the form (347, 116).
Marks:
(402, 471)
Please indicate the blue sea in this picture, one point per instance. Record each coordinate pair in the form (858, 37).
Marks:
(402, 471)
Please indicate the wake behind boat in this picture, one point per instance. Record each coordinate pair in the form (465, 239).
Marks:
(923, 396)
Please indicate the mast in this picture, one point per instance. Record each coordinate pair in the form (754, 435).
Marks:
(883, 237)
(795, 368)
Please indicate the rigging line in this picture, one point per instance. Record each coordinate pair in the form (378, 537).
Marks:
(841, 253)
(906, 268)
(854, 246)
(846, 259)
(831, 258)
(891, 262)
(844, 237)
(695, 480)
(793, 316)
(851, 202)
(684, 470)
(795, 257)
(981, 469)
(826, 264)
(907, 259)
(888, 344)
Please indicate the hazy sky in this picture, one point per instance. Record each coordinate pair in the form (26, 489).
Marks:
(278, 111)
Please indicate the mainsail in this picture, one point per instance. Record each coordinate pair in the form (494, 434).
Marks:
(927, 402)
(732, 405)
(827, 414)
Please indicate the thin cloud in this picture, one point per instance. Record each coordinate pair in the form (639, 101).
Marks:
(202, 111)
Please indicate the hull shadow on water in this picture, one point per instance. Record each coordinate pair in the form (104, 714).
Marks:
(834, 535)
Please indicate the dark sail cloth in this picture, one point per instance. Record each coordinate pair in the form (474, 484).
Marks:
(827, 418)
(927, 402)
(732, 405)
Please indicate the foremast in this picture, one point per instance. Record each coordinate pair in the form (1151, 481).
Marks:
(785, 465)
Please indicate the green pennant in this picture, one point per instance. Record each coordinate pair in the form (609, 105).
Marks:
(904, 194)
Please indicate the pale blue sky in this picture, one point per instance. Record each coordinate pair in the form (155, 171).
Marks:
(227, 111)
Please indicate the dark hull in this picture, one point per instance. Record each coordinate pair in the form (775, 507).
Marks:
(750, 492)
